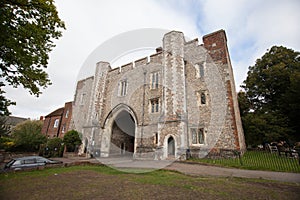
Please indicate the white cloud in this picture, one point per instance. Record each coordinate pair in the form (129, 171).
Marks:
(252, 26)
(90, 23)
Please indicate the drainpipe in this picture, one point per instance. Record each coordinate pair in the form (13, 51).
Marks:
(187, 114)
(59, 124)
(143, 108)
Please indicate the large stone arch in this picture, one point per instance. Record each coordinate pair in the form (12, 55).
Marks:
(114, 122)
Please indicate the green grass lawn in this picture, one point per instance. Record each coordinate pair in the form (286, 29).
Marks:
(257, 160)
(101, 182)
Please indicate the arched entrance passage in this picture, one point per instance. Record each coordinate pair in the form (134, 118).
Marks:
(118, 138)
(171, 147)
(122, 135)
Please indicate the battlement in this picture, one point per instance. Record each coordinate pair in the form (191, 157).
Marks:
(193, 42)
(141, 61)
(154, 58)
(81, 82)
(126, 67)
(213, 42)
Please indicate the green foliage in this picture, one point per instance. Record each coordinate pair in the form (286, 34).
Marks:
(4, 103)
(270, 104)
(267, 127)
(3, 127)
(54, 147)
(28, 29)
(72, 140)
(6, 143)
(27, 135)
(54, 143)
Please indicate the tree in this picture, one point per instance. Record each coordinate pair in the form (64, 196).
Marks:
(4, 103)
(27, 135)
(28, 28)
(3, 127)
(270, 103)
(72, 140)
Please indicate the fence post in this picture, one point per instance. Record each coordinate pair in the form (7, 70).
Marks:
(240, 158)
(238, 153)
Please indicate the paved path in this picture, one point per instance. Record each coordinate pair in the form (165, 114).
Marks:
(189, 168)
(205, 170)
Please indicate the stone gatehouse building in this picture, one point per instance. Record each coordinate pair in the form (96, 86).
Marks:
(180, 99)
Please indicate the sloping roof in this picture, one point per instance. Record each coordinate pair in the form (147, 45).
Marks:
(57, 112)
(11, 120)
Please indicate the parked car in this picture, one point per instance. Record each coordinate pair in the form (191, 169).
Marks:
(28, 162)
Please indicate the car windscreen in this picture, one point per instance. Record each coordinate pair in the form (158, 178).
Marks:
(10, 163)
(17, 162)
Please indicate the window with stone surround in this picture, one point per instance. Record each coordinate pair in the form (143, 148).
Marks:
(199, 70)
(82, 98)
(154, 78)
(201, 98)
(122, 91)
(197, 135)
(154, 105)
(155, 139)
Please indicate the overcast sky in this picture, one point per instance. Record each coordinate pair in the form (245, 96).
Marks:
(252, 27)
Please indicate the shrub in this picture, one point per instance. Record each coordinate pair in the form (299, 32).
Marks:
(72, 140)
(27, 136)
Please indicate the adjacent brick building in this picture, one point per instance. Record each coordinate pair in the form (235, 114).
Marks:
(180, 99)
(57, 123)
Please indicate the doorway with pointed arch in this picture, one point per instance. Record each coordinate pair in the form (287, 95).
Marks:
(122, 134)
(171, 147)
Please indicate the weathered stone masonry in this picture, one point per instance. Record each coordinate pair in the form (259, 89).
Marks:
(181, 98)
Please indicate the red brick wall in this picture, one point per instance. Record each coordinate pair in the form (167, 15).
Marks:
(45, 126)
(216, 44)
(64, 122)
(52, 131)
(66, 118)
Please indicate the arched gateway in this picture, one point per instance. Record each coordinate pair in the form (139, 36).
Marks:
(119, 132)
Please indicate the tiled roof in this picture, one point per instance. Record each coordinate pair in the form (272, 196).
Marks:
(11, 120)
(57, 112)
